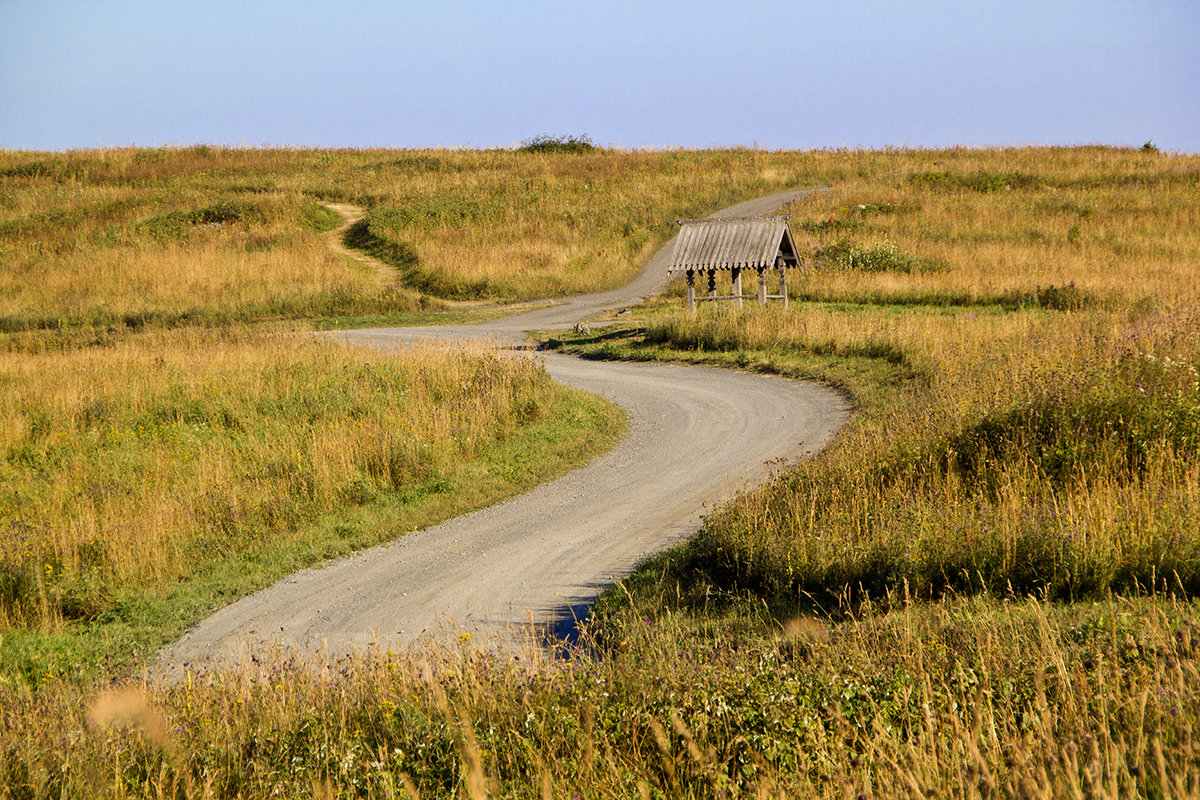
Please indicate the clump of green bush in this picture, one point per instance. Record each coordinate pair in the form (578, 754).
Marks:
(885, 257)
(428, 213)
(179, 223)
(544, 143)
(1068, 297)
(981, 181)
(56, 169)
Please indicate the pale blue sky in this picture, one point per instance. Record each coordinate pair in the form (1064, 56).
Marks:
(774, 74)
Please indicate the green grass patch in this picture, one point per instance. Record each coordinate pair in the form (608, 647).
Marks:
(178, 224)
(1052, 297)
(885, 257)
(983, 181)
(869, 376)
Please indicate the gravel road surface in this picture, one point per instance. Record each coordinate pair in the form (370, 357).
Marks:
(696, 435)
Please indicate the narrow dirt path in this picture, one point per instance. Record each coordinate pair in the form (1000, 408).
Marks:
(696, 435)
(333, 238)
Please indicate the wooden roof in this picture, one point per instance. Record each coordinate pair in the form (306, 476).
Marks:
(746, 243)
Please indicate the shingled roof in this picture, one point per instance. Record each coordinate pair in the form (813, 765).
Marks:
(747, 243)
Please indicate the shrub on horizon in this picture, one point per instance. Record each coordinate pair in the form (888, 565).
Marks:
(545, 143)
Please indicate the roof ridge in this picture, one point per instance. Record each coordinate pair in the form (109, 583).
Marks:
(718, 220)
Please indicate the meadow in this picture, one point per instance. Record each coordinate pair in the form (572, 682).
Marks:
(158, 477)
(984, 587)
(1029, 416)
(128, 237)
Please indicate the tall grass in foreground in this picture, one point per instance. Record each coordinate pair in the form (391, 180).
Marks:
(135, 465)
(957, 698)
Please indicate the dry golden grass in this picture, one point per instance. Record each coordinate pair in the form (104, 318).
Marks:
(1021, 451)
(133, 466)
(519, 225)
(107, 236)
(181, 279)
(1120, 226)
(1029, 401)
(501, 224)
(981, 589)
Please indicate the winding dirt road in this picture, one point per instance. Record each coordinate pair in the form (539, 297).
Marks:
(696, 435)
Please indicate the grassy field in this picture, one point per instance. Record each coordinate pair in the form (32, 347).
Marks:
(212, 235)
(150, 480)
(984, 587)
(1024, 428)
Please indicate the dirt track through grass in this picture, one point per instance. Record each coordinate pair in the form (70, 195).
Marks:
(696, 435)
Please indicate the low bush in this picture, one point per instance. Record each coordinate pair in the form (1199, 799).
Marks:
(885, 257)
(544, 143)
(1062, 298)
(366, 235)
(179, 224)
(982, 181)
(971, 698)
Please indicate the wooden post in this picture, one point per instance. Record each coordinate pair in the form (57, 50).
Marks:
(762, 286)
(691, 290)
(712, 283)
(737, 287)
(783, 283)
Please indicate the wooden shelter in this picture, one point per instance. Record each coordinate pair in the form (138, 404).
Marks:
(757, 243)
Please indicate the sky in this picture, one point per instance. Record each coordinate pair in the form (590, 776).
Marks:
(626, 73)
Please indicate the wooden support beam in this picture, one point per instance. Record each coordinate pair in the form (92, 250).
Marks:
(712, 283)
(691, 290)
(762, 286)
(783, 284)
(737, 287)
